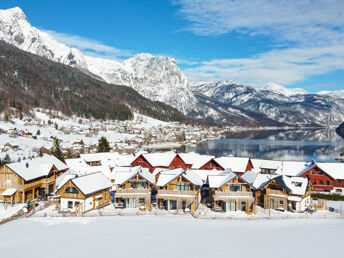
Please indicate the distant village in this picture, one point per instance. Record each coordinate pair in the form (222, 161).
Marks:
(169, 182)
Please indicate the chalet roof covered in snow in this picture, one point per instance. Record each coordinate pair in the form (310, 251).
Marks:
(265, 164)
(217, 181)
(76, 164)
(203, 174)
(30, 169)
(167, 176)
(195, 159)
(163, 159)
(335, 170)
(123, 176)
(91, 183)
(236, 164)
(64, 178)
(294, 185)
(256, 179)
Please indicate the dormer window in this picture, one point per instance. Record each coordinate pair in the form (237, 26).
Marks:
(297, 184)
(71, 190)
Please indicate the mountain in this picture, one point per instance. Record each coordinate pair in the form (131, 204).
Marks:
(292, 107)
(155, 77)
(335, 94)
(28, 81)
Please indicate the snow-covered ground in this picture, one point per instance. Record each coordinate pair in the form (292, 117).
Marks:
(7, 210)
(155, 236)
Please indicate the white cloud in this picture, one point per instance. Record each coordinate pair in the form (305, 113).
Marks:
(89, 46)
(311, 33)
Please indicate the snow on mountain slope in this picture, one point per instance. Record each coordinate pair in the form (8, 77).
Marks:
(155, 77)
(335, 94)
(279, 104)
(279, 89)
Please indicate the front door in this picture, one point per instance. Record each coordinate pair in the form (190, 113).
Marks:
(272, 204)
(243, 206)
(232, 206)
(130, 203)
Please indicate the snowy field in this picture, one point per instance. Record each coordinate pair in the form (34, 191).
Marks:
(174, 237)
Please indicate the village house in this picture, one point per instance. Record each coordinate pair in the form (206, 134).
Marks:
(169, 160)
(238, 165)
(178, 189)
(200, 162)
(229, 192)
(285, 193)
(84, 193)
(29, 179)
(133, 188)
(326, 176)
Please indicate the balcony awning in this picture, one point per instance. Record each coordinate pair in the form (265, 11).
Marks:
(9, 192)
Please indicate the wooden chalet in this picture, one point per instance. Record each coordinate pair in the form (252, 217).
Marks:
(178, 189)
(29, 179)
(285, 193)
(80, 194)
(229, 192)
(168, 160)
(133, 188)
(238, 165)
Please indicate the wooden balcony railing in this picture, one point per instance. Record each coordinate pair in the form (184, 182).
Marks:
(133, 191)
(276, 192)
(221, 194)
(176, 192)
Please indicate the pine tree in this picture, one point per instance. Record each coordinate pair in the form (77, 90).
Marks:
(56, 150)
(38, 132)
(6, 160)
(103, 145)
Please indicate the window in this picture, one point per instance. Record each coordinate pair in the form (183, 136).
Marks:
(51, 188)
(232, 206)
(70, 204)
(71, 190)
(327, 182)
(182, 186)
(142, 200)
(281, 202)
(338, 190)
(76, 203)
(339, 181)
(235, 187)
(173, 205)
(139, 184)
(321, 182)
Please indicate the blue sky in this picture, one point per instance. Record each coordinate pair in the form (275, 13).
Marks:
(292, 43)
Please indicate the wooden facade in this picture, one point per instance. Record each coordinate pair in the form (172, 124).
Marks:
(322, 181)
(235, 195)
(179, 194)
(136, 192)
(274, 196)
(27, 190)
(73, 200)
(210, 165)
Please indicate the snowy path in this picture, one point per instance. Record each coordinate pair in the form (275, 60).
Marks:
(152, 236)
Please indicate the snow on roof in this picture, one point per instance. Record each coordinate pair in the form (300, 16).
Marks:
(64, 178)
(203, 174)
(195, 159)
(91, 183)
(163, 159)
(30, 169)
(256, 179)
(236, 164)
(99, 156)
(263, 163)
(167, 176)
(76, 164)
(124, 175)
(294, 185)
(9, 192)
(335, 170)
(293, 168)
(216, 181)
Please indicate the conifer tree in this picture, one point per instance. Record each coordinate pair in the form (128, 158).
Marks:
(103, 145)
(56, 150)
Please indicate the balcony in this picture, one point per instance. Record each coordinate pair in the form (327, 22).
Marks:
(275, 192)
(232, 195)
(132, 191)
(167, 194)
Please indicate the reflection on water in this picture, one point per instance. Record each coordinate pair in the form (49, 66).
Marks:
(320, 145)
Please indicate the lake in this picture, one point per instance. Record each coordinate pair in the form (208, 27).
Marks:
(300, 145)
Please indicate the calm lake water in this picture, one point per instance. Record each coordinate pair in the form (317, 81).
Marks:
(319, 145)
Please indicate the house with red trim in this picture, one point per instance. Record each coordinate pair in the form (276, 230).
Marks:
(326, 176)
(168, 160)
(200, 162)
